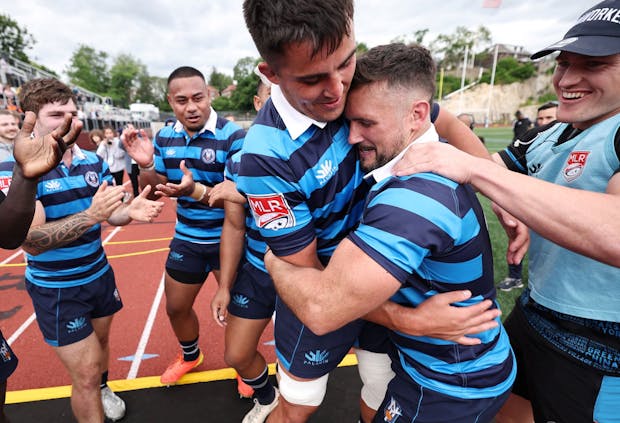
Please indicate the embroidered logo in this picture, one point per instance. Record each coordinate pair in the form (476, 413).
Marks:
(92, 178)
(326, 171)
(315, 358)
(240, 300)
(76, 324)
(208, 155)
(171, 152)
(52, 185)
(575, 165)
(271, 211)
(175, 256)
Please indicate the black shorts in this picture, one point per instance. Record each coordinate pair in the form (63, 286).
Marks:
(559, 388)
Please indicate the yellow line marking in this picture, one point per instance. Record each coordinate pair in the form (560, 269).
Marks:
(138, 241)
(137, 253)
(41, 394)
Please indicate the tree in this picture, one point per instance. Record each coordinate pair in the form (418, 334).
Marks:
(124, 77)
(451, 48)
(14, 39)
(219, 80)
(88, 68)
(418, 37)
(244, 68)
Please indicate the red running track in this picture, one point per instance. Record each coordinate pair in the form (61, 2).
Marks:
(142, 342)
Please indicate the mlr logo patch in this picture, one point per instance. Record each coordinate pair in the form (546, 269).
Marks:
(5, 183)
(575, 164)
(271, 211)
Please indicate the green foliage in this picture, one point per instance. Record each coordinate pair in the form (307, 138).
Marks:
(417, 37)
(451, 47)
(221, 103)
(509, 70)
(88, 68)
(361, 48)
(125, 77)
(450, 84)
(15, 39)
(219, 80)
(546, 97)
(244, 68)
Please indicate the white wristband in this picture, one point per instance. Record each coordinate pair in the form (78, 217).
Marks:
(204, 192)
(148, 167)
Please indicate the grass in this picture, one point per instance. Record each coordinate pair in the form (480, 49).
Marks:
(497, 138)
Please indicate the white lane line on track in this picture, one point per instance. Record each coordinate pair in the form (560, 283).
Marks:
(14, 256)
(146, 333)
(33, 316)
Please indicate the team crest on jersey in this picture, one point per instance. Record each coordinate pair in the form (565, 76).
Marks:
(271, 211)
(5, 183)
(92, 178)
(208, 155)
(392, 411)
(574, 165)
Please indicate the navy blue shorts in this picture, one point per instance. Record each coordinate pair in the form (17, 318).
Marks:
(374, 338)
(64, 314)
(253, 295)
(8, 360)
(306, 355)
(406, 401)
(190, 262)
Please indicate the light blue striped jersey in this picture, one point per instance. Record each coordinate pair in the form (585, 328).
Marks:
(430, 234)
(562, 280)
(300, 187)
(205, 154)
(64, 192)
(255, 246)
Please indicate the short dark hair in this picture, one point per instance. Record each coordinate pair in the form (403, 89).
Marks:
(185, 72)
(548, 105)
(400, 65)
(275, 24)
(38, 92)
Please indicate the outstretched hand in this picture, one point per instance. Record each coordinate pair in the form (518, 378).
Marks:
(138, 145)
(225, 191)
(37, 156)
(144, 210)
(184, 188)
(518, 235)
(105, 201)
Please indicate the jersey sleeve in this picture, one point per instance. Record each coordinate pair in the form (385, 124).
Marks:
(275, 197)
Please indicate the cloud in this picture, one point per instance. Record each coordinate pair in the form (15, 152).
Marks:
(165, 34)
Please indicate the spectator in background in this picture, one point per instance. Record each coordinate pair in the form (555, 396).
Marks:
(9, 128)
(469, 121)
(113, 154)
(521, 125)
(545, 115)
(96, 136)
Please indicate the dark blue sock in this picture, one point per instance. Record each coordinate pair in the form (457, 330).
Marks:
(104, 379)
(190, 350)
(264, 391)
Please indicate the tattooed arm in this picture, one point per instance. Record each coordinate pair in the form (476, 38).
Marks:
(44, 236)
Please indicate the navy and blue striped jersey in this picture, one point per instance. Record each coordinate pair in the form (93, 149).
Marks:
(64, 192)
(205, 155)
(303, 188)
(429, 233)
(255, 246)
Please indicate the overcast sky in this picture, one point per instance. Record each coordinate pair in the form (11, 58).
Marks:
(165, 34)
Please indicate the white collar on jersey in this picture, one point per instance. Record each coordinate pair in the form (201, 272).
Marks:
(385, 171)
(77, 152)
(297, 123)
(210, 124)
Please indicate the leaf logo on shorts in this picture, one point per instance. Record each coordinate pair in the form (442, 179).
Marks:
(76, 324)
(5, 352)
(317, 357)
(241, 300)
